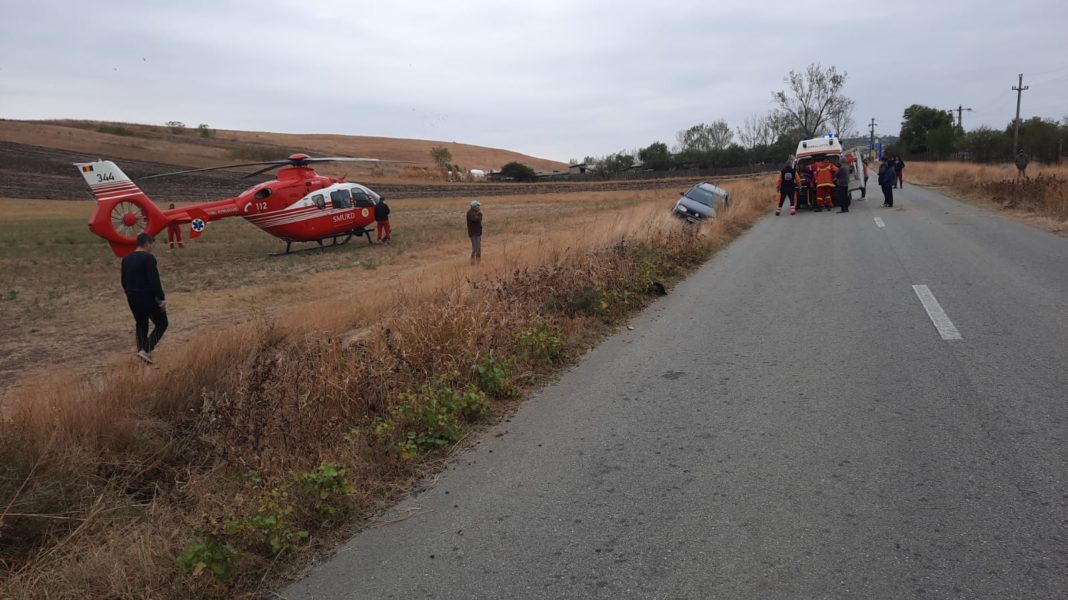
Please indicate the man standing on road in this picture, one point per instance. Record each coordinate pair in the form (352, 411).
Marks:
(144, 294)
(786, 186)
(382, 219)
(841, 189)
(899, 168)
(474, 230)
(887, 179)
(174, 233)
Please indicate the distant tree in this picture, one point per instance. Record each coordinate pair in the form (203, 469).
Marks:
(841, 120)
(756, 131)
(518, 171)
(656, 156)
(176, 126)
(616, 163)
(812, 97)
(205, 131)
(927, 129)
(705, 137)
(987, 145)
(442, 157)
(1042, 139)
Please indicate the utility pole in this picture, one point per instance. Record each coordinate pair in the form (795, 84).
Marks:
(1019, 89)
(871, 144)
(960, 112)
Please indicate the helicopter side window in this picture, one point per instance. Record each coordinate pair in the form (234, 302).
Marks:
(341, 199)
(362, 199)
(320, 201)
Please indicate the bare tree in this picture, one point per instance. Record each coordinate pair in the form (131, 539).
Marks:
(841, 119)
(812, 97)
(705, 137)
(756, 131)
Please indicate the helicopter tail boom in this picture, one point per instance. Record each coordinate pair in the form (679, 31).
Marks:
(122, 210)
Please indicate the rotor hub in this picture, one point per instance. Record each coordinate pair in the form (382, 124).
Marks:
(129, 219)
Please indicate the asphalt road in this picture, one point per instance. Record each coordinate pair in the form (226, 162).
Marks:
(787, 423)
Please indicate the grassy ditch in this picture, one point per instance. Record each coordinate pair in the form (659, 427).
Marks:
(1044, 193)
(263, 444)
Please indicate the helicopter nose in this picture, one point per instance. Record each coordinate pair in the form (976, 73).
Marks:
(129, 219)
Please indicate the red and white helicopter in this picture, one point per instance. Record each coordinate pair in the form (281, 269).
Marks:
(298, 206)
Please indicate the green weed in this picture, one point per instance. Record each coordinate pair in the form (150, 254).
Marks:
(208, 554)
(542, 345)
(491, 376)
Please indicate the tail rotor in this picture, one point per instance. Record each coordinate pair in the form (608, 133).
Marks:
(123, 211)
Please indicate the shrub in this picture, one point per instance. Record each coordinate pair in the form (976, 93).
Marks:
(542, 345)
(491, 376)
(208, 554)
(518, 171)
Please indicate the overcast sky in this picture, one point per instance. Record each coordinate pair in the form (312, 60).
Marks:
(549, 78)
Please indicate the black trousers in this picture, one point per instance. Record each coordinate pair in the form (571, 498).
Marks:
(790, 193)
(145, 308)
(888, 195)
(844, 198)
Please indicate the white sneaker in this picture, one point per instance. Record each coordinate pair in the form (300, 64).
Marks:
(145, 356)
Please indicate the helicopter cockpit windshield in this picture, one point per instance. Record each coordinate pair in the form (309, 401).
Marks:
(361, 198)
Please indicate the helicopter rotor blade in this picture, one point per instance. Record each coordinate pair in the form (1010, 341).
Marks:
(276, 163)
(265, 169)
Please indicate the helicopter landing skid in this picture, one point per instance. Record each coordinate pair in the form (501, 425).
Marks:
(345, 238)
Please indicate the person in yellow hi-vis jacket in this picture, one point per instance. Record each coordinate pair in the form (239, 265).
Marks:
(824, 172)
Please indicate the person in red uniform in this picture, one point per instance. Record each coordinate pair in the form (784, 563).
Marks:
(382, 220)
(786, 186)
(824, 172)
(174, 233)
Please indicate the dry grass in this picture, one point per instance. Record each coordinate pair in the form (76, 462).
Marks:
(108, 480)
(1044, 194)
(59, 302)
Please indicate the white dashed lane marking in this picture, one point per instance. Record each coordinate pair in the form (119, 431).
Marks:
(879, 222)
(938, 316)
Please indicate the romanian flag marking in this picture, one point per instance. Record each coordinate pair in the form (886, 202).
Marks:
(87, 169)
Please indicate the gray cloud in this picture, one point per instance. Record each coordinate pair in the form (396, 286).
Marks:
(554, 79)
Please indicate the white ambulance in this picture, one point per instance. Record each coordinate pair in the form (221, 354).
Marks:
(831, 147)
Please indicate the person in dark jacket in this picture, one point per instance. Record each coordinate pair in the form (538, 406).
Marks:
(841, 189)
(786, 186)
(1021, 165)
(899, 168)
(382, 220)
(887, 178)
(474, 230)
(144, 294)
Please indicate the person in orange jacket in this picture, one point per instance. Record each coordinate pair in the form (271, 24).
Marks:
(824, 171)
(174, 233)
